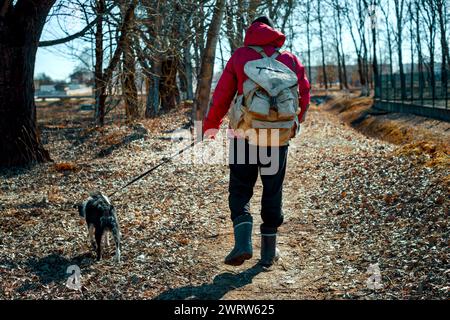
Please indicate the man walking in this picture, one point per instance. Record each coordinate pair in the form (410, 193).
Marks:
(271, 97)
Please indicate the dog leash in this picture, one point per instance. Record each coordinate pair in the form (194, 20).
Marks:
(164, 160)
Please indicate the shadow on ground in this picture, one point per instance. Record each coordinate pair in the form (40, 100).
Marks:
(221, 285)
(52, 269)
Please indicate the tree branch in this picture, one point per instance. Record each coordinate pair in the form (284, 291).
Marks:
(75, 35)
(119, 49)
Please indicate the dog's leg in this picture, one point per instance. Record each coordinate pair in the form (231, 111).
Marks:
(116, 236)
(91, 231)
(98, 239)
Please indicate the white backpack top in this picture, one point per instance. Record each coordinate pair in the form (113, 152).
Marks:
(271, 74)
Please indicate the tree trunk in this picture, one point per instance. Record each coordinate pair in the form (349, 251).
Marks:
(387, 95)
(399, 6)
(99, 83)
(340, 76)
(168, 85)
(444, 47)
(430, 21)
(365, 81)
(391, 63)
(188, 71)
(432, 64)
(102, 78)
(20, 29)
(129, 90)
(185, 72)
(231, 33)
(402, 73)
(322, 46)
(419, 53)
(365, 64)
(199, 44)
(337, 44)
(308, 35)
(207, 66)
(153, 98)
(411, 44)
(376, 73)
(358, 50)
(344, 67)
(240, 23)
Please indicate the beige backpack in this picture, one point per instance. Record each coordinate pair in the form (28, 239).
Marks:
(267, 110)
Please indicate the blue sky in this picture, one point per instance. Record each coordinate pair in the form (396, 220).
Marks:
(54, 64)
(56, 61)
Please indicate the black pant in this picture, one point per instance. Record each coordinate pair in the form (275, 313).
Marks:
(245, 163)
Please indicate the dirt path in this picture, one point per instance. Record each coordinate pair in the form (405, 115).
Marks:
(315, 264)
(348, 203)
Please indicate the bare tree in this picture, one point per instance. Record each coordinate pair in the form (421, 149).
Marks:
(99, 87)
(371, 7)
(358, 14)
(412, 47)
(207, 66)
(168, 35)
(129, 90)
(399, 6)
(339, 9)
(103, 77)
(337, 48)
(441, 7)
(152, 43)
(21, 24)
(322, 45)
(416, 18)
(307, 14)
(238, 15)
(429, 17)
(389, 28)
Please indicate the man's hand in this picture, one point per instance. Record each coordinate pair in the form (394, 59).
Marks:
(304, 115)
(209, 130)
(210, 134)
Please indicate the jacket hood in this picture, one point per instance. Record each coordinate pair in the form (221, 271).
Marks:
(260, 34)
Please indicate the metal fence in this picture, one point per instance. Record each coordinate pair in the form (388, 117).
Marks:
(419, 90)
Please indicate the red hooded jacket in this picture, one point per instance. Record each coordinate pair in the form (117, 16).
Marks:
(233, 77)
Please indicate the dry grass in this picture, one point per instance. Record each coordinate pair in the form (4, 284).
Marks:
(112, 138)
(433, 154)
(350, 108)
(419, 137)
(65, 166)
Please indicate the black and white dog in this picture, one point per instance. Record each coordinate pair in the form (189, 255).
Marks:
(101, 218)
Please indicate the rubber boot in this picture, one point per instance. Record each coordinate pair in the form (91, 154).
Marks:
(243, 226)
(269, 251)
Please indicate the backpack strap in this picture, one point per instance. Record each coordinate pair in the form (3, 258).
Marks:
(261, 51)
(275, 54)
